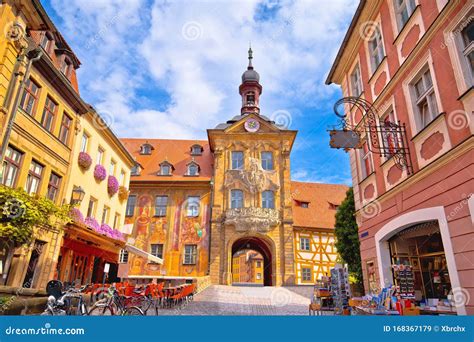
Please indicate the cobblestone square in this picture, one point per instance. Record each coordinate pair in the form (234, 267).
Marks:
(246, 300)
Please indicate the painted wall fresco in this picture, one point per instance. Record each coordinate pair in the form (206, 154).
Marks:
(173, 231)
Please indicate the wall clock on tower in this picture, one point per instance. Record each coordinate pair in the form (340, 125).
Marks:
(252, 125)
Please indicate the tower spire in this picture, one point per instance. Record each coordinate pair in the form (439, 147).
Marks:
(250, 67)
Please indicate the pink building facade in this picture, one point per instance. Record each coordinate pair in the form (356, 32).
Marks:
(414, 61)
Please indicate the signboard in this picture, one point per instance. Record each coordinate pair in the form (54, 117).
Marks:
(344, 139)
(106, 267)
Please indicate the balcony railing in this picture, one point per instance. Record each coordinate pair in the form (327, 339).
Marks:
(252, 219)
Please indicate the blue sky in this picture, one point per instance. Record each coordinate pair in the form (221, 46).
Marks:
(171, 69)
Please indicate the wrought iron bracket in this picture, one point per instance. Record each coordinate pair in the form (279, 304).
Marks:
(388, 139)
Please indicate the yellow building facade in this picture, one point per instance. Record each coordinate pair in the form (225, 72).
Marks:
(41, 108)
(43, 126)
(85, 251)
(314, 209)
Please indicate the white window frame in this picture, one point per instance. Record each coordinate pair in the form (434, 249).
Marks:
(193, 166)
(267, 161)
(362, 157)
(268, 203)
(240, 166)
(409, 6)
(163, 205)
(355, 80)
(234, 201)
(379, 49)
(303, 274)
(84, 142)
(100, 155)
(428, 95)
(155, 248)
(305, 244)
(123, 256)
(464, 51)
(193, 206)
(163, 167)
(190, 254)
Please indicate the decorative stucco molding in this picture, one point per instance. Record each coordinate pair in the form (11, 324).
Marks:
(252, 219)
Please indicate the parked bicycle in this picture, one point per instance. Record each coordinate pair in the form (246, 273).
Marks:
(67, 303)
(114, 304)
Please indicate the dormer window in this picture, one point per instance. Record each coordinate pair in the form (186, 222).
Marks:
(146, 149)
(166, 169)
(66, 66)
(302, 204)
(196, 150)
(46, 41)
(193, 169)
(136, 169)
(251, 97)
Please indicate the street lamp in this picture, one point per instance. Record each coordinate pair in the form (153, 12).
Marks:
(77, 195)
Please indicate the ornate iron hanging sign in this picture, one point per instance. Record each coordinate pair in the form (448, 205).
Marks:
(385, 138)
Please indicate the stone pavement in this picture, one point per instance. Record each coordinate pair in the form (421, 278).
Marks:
(246, 300)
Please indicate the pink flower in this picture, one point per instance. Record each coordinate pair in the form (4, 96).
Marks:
(92, 223)
(99, 172)
(112, 185)
(76, 215)
(84, 160)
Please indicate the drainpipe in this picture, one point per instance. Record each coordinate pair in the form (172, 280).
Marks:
(211, 204)
(33, 56)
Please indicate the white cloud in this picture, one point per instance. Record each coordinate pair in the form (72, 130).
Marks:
(193, 53)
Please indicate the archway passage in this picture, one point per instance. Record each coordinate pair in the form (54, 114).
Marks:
(259, 246)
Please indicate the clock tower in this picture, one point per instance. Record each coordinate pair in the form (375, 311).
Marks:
(251, 190)
(250, 89)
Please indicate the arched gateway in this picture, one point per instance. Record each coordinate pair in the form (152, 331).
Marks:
(251, 201)
(260, 245)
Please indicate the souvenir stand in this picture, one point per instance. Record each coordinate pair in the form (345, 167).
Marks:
(322, 300)
(340, 289)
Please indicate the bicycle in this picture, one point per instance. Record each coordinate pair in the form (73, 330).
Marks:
(113, 304)
(63, 306)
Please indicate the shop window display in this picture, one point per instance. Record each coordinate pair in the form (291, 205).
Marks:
(419, 264)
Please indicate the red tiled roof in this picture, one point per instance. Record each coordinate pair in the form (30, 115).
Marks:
(176, 152)
(320, 197)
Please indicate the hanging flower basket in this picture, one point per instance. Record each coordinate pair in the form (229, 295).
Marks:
(123, 193)
(84, 160)
(99, 173)
(112, 185)
(76, 215)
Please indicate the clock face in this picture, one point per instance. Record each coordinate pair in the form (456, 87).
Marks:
(252, 125)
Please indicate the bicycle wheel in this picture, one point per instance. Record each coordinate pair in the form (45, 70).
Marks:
(101, 310)
(133, 311)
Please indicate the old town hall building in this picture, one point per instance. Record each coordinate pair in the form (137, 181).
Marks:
(195, 204)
